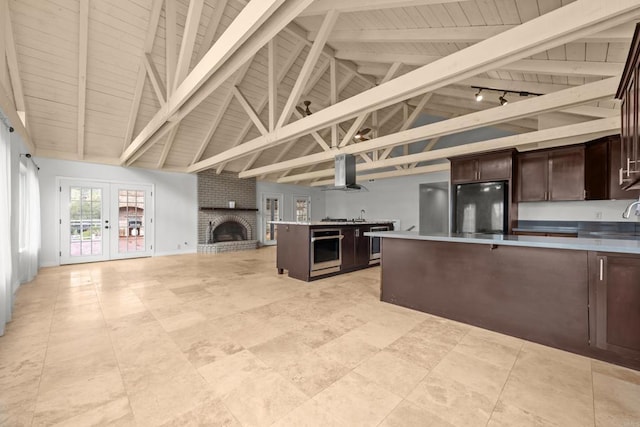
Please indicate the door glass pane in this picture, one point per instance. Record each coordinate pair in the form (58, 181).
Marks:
(85, 213)
(272, 213)
(131, 221)
(302, 210)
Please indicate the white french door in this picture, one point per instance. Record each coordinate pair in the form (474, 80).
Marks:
(100, 221)
(270, 210)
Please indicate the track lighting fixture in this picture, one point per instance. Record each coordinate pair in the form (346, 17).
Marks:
(502, 98)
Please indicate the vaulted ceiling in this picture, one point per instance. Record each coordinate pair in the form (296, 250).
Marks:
(188, 85)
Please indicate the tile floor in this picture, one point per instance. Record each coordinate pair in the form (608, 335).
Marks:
(223, 340)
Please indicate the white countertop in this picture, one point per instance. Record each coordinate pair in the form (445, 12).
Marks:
(573, 243)
(366, 222)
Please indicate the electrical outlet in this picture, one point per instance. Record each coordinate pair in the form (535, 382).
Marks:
(598, 215)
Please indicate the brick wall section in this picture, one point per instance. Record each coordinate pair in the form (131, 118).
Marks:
(217, 190)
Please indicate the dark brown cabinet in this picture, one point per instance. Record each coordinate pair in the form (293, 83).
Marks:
(355, 247)
(556, 174)
(614, 303)
(629, 93)
(495, 166)
(602, 166)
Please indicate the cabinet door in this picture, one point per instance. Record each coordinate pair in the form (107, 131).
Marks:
(348, 244)
(464, 170)
(596, 180)
(617, 303)
(362, 247)
(566, 174)
(615, 189)
(532, 176)
(495, 167)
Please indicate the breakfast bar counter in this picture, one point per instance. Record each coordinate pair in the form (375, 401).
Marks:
(580, 295)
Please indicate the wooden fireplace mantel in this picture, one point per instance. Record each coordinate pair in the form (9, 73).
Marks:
(220, 208)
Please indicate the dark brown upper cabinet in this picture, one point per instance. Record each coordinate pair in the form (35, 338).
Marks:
(602, 166)
(556, 174)
(629, 93)
(495, 166)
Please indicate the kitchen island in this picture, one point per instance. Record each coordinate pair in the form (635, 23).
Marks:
(576, 294)
(314, 249)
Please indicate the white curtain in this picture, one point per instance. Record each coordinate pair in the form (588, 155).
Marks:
(6, 291)
(29, 220)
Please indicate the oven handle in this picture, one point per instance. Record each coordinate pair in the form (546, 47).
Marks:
(313, 239)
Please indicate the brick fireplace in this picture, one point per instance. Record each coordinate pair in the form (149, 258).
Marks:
(220, 227)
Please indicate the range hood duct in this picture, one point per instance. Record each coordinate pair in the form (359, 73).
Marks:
(345, 174)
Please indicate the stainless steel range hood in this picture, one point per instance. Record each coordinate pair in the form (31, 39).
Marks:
(345, 174)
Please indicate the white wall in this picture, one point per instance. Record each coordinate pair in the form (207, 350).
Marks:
(175, 194)
(591, 210)
(393, 198)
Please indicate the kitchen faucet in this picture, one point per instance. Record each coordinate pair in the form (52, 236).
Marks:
(362, 212)
(627, 212)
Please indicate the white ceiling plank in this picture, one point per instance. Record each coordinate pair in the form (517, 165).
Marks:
(552, 29)
(408, 122)
(241, 40)
(170, 30)
(83, 44)
(155, 79)
(512, 111)
(315, 78)
(309, 63)
(154, 19)
(220, 113)
(249, 110)
(212, 28)
(4, 76)
(320, 7)
(285, 150)
(272, 84)
(167, 146)
(188, 41)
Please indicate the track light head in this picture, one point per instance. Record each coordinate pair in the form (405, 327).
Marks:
(503, 100)
(479, 96)
(10, 129)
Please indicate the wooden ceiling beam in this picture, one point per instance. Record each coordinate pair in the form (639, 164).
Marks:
(441, 167)
(555, 28)
(320, 7)
(266, 99)
(155, 79)
(14, 70)
(154, 19)
(212, 28)
(171, 37)
(620, 34)
(255, 25)
(83, 44)
(272, 83)
(307, 67)
(188, 41)
(167, 146)
(533, 66)
(249, 110)
(221, 111)
(600, 127)
(512, 111)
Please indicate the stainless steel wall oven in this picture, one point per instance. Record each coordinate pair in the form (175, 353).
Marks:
(326, 251)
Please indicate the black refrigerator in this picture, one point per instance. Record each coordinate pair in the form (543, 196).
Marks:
(481, 208)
